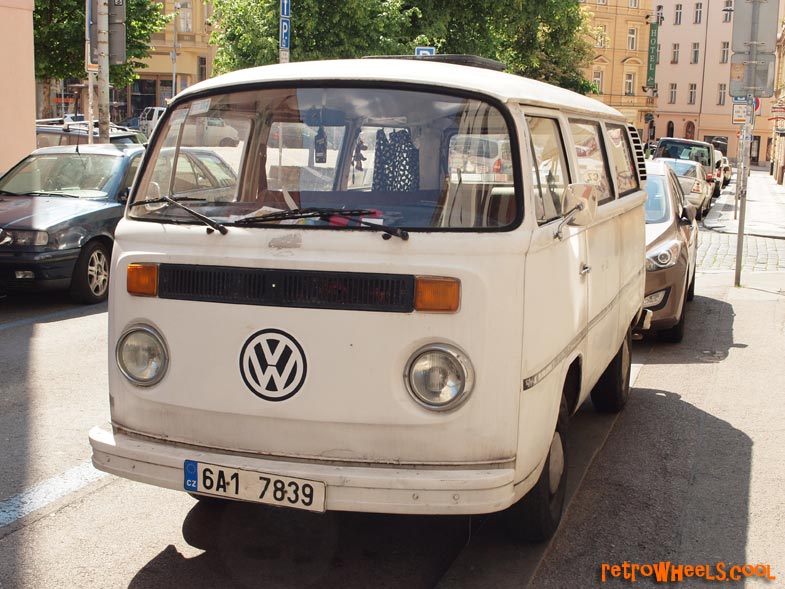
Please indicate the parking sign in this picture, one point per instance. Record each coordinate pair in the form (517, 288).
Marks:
(285, 29)
(425, 50)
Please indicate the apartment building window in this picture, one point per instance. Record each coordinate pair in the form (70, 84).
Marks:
(726, 14)
(660, 18)
(597, 80)
(722, 90)
(633, 3)
(602, 36)
(602, 2)
(659, 47)
(202, 68)
(186, 21)
(693, 93)
(675, 53)
(696, 53)
(677, 15)
(672, 94)
(724, 51)
(632, 39)
(629, 84)
(698, 12)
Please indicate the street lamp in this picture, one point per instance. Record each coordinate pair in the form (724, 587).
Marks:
(174, 51)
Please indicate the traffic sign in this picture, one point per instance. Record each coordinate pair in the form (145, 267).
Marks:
(740, 114)
(285, 30)
(286, 8)
(425, 50)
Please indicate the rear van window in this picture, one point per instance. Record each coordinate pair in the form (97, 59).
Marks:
(592, 161)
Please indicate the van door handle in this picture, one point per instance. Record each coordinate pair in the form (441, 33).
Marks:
(585, 269)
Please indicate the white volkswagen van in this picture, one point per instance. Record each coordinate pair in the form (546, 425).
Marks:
(370, 318)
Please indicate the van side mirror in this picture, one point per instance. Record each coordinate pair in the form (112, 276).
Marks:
(579, 206)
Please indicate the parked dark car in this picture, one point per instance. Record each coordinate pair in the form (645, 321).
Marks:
(60, 205)
(58, 210)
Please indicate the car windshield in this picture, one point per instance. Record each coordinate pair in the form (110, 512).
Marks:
(407, 159)
(658, 207)
(685, 151)
(70, 174)
(683, 168)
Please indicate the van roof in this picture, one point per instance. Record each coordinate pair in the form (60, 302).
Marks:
(499, 85)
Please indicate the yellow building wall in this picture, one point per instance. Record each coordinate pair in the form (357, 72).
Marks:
(17, 92)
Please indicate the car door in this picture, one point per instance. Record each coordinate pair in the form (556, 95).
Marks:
(687, 228)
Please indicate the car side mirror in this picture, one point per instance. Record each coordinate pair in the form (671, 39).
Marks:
(122, 196)
(689, 212)
(579, 205)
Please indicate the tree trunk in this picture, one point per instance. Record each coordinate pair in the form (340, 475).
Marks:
(46, 98)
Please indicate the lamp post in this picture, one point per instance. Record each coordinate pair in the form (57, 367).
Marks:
(174, 51)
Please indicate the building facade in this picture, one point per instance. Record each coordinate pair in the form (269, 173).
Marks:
(190, 31)
(17, 92)
(693, 74)
(620, 63)
(778, 111)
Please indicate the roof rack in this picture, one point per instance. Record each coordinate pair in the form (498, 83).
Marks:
(455, 58)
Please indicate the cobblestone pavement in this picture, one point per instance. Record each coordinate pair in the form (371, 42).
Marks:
(717, 252)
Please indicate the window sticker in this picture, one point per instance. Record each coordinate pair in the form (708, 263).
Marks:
(199, 107)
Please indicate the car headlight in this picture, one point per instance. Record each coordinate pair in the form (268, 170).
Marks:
(663, 256)
(25, 238)
(142, 356)
(439, 376)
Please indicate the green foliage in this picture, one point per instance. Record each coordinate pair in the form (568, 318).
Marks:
(59, 32)
(547, 40)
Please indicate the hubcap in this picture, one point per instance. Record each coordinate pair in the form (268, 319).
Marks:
(98, 273)
(556, 464)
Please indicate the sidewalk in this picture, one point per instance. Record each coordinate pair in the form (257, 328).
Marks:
(765, 208)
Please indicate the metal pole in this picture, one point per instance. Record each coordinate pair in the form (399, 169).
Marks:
(174, 52)
(750, 78)
(103, 71)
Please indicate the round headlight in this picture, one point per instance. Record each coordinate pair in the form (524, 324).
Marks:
(142, 356)
(439, 377)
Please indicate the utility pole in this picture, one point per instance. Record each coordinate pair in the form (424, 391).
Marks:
(103, 71)
(174, 51)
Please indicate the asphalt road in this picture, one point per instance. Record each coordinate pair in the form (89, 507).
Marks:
(690, 472)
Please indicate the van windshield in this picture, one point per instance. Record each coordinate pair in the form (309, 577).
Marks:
(408, 159)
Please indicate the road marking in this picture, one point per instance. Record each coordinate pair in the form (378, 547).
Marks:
(47, 491)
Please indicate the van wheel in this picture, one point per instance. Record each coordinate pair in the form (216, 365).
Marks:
(90, 280)
(611, 392)
(536, 516)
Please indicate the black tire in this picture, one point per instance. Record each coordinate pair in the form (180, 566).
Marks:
(536, 516)
(691, 289)
(675, 334)
(611, 392)
(90, 281)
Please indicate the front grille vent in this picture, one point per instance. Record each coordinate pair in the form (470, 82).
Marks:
(287, 288)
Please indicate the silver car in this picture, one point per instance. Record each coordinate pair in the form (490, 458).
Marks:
(692, 178)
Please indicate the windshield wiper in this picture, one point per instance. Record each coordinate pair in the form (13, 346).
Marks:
(325, 214)
(52, 193)
(212, 223)
(8, 193)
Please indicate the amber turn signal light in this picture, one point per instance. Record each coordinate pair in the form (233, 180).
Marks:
(142, 280)
(437, 294)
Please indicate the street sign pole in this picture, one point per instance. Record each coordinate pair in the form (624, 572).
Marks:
(284, 31)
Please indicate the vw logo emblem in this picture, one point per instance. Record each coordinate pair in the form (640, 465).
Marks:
(273, 365)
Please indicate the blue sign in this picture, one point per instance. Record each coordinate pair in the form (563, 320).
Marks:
(285, 29)
(425, 50)
(286, 8)
(191, 472)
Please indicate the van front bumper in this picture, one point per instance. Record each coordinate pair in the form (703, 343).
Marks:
(348, 488)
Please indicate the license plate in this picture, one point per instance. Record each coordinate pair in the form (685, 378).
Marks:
(248, 485)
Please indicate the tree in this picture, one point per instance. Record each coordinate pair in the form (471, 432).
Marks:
(546, 40)
(59, 31)
(247, 30)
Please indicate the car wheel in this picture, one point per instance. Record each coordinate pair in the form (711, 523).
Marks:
(676, 333)
(227, 142)
(611, 392)
(90, 281)
(536, 516)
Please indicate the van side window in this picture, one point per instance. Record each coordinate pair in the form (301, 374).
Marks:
(624, 164)
(592, 161)
(549, 170)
